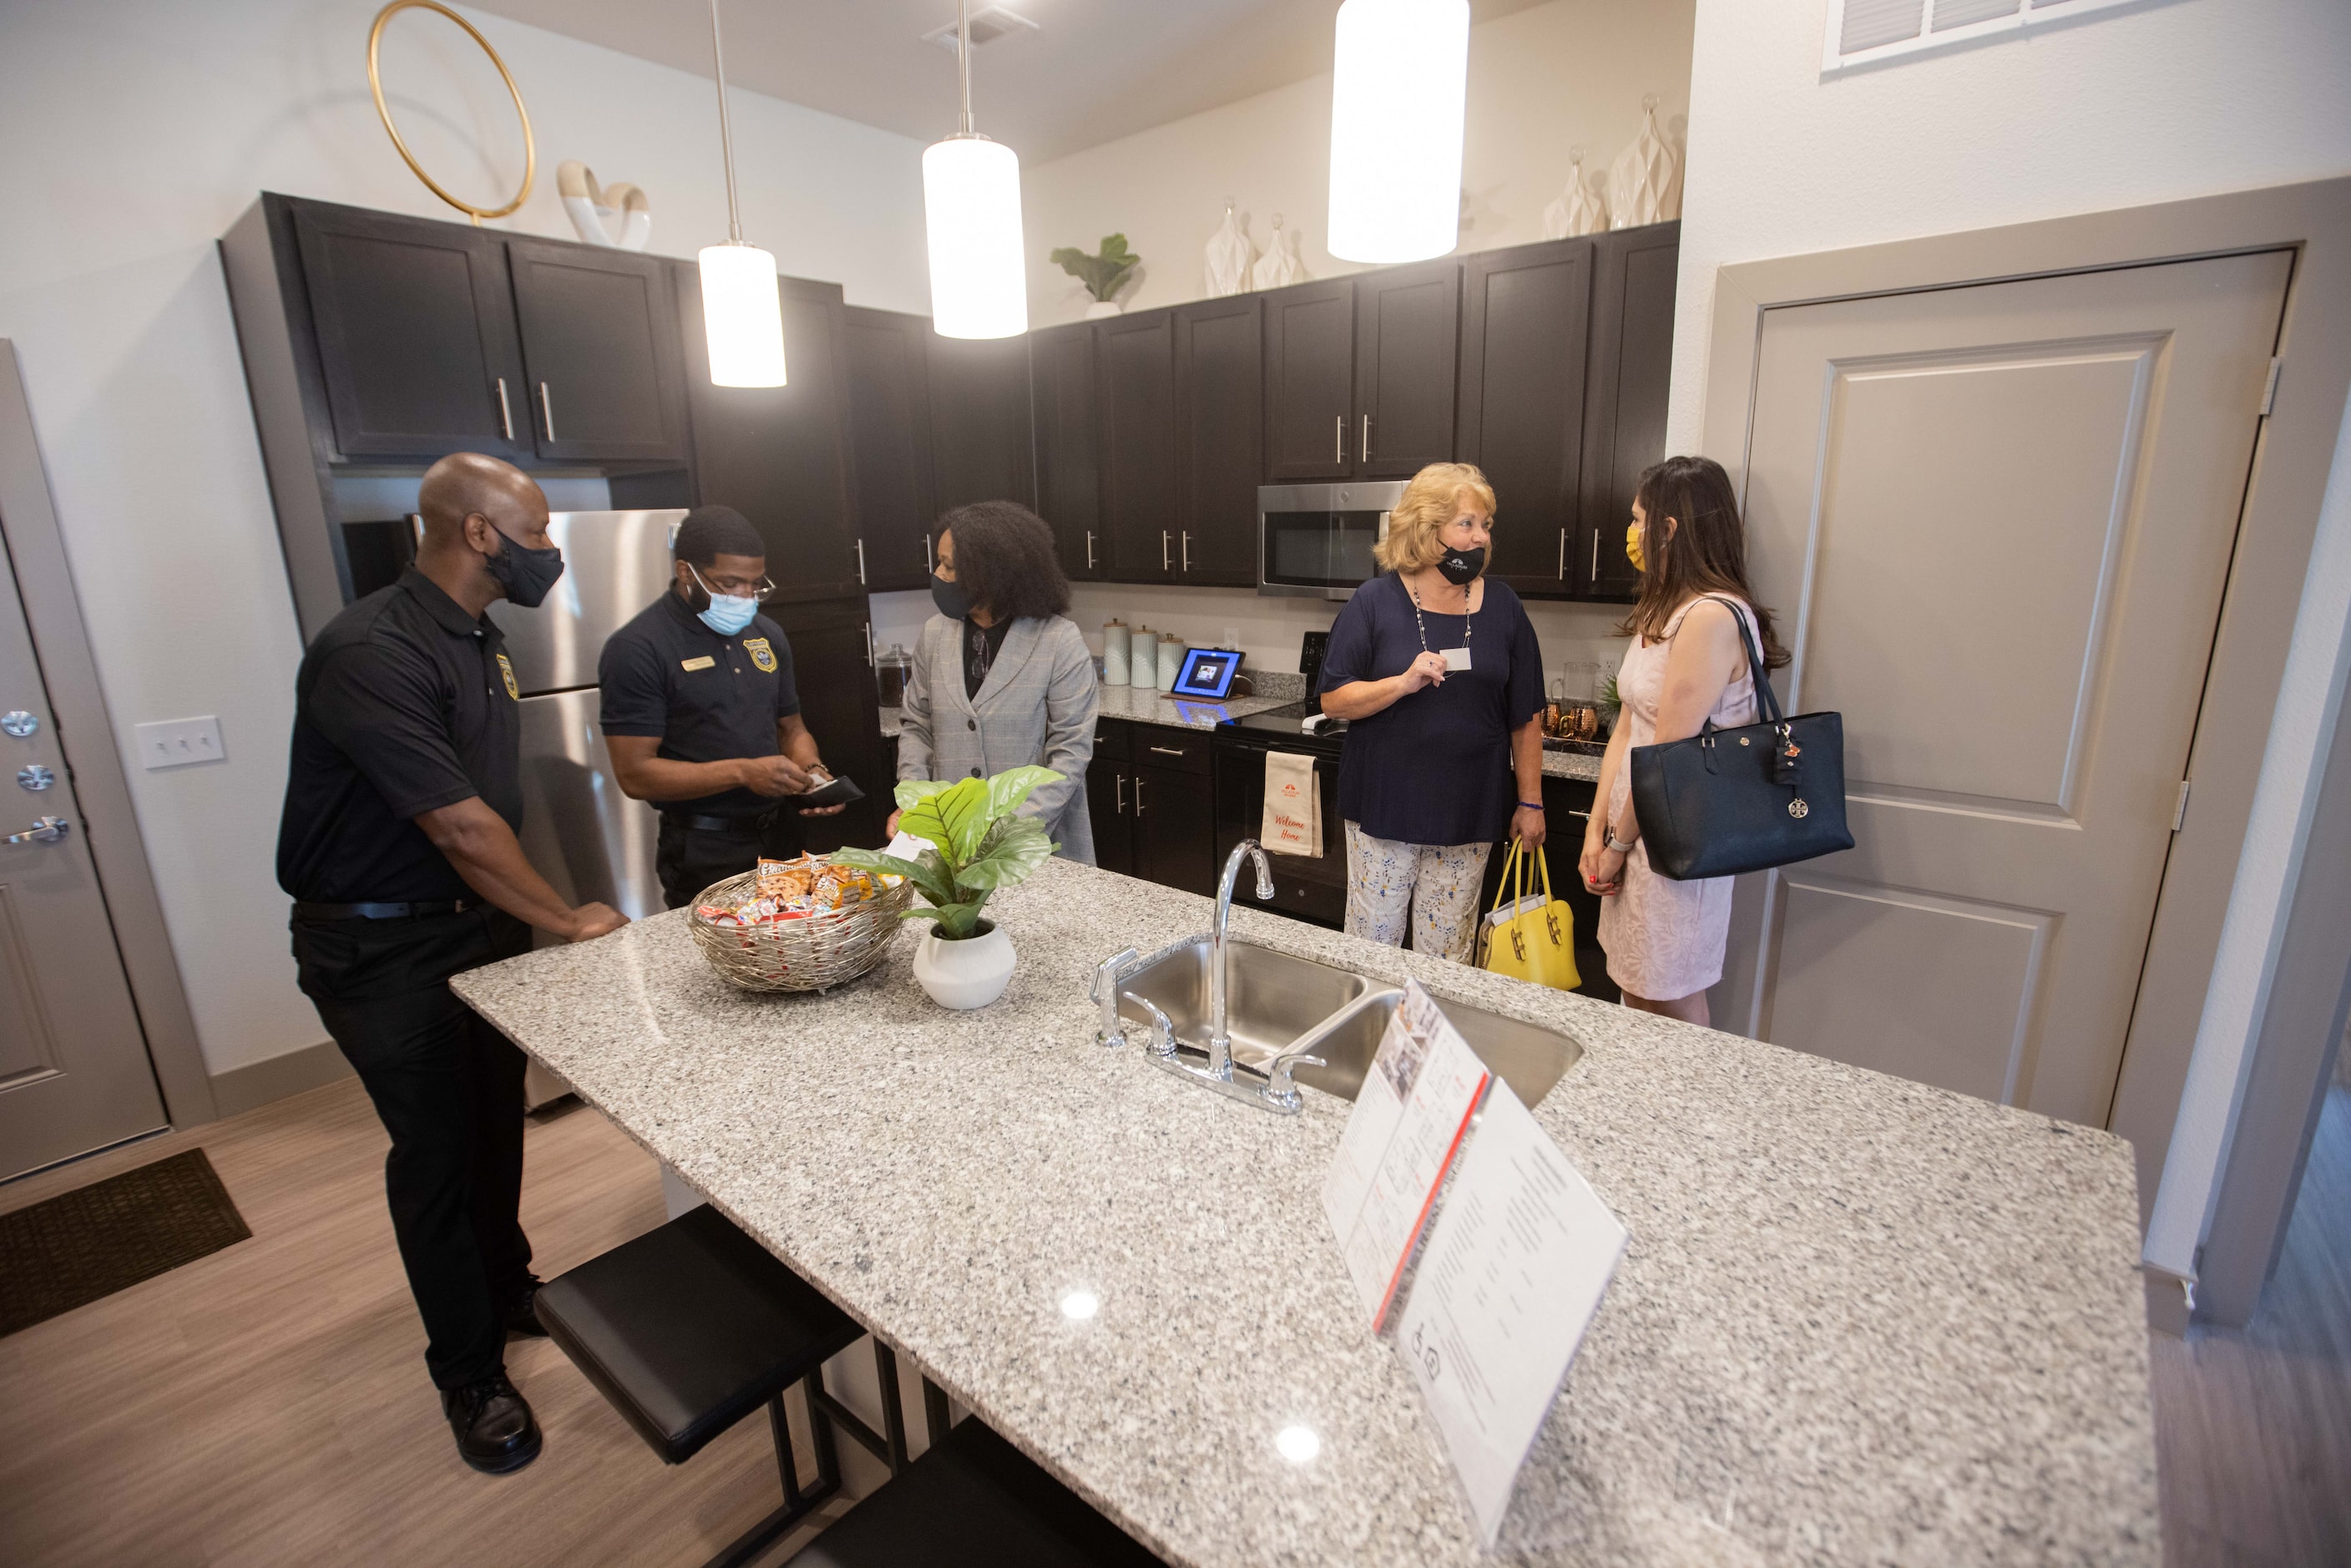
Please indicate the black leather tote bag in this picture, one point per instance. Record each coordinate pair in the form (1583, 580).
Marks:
(1731, 801)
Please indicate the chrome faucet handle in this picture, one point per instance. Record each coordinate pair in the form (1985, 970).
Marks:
(1279, 1092)
(1103, 992)
(1163, 1033)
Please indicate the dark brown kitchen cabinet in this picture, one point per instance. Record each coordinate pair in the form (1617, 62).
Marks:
(981, 446)
(1625, 396)
(882, 356)
(415, 334)
(1408, 324)
(780, 455)
(1135, 383)
(1310, 381)
(600, 348)
(1174, 823)
(1524, 318)
(1110, 798)
(1068, 477)
(830, 641)
(1219, 435)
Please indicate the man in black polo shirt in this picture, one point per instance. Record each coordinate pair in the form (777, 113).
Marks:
(701, 716)
(398, 845)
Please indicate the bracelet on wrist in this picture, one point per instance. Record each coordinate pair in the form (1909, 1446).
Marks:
(1530, 805)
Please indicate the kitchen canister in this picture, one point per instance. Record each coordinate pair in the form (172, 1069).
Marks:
(1116, 638)
(1171, 661)
(1143, 657)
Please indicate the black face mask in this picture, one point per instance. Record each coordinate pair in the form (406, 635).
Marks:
(526, 574)
(953, 601)
(1460, 567)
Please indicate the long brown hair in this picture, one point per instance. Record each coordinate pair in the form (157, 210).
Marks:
(1005, 559)
(1707, 554)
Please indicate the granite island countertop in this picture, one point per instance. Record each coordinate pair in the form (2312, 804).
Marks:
(1860, 1320)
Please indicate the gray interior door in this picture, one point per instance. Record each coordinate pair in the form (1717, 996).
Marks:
(74, 1074)
(1997, 523)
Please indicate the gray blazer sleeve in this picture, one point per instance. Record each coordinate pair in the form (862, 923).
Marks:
(1071, 701)
(914, 722)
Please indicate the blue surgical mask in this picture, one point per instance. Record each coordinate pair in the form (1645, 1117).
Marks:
(728, 612)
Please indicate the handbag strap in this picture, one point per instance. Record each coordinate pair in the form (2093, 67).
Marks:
(1543, 861)
(1767, 701)
(1502, 883)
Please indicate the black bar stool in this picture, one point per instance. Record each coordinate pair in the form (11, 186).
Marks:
(691, 1327)
(972, 1500)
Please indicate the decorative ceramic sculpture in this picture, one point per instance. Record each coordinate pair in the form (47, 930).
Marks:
(1579, 210)
(1280, 267)
(1644, 186)
(1229, 255)
(1103, 275)
(619, 216)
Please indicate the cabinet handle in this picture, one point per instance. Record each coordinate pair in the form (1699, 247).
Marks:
(861, 562)
(928, 570)
(1363, 447)
(1122, 792)
(871, 663)
(1090, 549)
(1187, 550)
(1163, 551)
(1562, 555)
(1595, 555)
(1339, 439)
(506, 414)
(1169, 750)
(1138, 794)
(548, 409)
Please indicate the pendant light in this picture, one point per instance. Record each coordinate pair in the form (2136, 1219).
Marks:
(971, 209)
(1400, 88)
(742, 316)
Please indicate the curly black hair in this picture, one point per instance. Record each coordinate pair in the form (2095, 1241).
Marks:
(1005, 559)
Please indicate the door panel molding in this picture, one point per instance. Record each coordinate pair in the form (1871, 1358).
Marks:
(28, 1047)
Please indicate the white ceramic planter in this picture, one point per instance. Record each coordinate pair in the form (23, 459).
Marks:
(967, 974)
(1102, 307)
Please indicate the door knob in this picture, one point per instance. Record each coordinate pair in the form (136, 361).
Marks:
(33, 776)
(16, 721)
(43, 830)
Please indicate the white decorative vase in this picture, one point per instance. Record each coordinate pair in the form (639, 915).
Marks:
(1229, 255)
(967, 974)
(1644, 186)
(1579, 210)
(1102, 307)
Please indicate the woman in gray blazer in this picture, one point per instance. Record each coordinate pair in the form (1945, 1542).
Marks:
(1002, 676)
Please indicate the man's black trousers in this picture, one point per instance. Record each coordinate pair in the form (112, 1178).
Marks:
(690, 859)
(448, 1088)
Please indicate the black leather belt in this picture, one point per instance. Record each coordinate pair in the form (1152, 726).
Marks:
(732, 827)
(306, 911)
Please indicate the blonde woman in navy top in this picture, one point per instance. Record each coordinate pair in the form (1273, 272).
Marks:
(1439, 675)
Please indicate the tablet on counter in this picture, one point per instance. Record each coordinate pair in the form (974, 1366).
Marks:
(1207, 672)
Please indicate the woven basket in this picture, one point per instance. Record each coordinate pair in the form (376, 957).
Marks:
(811, 954)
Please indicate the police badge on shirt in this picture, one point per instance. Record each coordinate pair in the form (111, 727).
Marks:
(761, 654)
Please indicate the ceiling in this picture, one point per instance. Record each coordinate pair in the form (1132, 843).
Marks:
(1093, 71)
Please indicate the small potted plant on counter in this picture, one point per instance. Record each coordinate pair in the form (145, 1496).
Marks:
(978, 845)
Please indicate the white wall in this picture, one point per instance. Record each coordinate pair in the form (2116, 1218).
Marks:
(2124, 108)
(138, 133)
(1540, 81)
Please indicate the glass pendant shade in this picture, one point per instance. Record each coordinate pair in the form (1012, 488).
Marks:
(1401, 86)
(742, 316)
(971, 208)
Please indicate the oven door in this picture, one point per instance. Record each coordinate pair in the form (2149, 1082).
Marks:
(1309, 888)
(1315, 540)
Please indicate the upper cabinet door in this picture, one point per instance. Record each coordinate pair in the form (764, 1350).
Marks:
(779, 455)
(1624, 407)
(980, 443)
(1309, 379)
(599, 341)
(1068, 475)
(1407, 323)
(889, 422)
(1219, 431)
(416, 336)
(1137, 384)
(1524, 311)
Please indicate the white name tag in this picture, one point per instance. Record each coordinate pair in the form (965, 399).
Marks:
(1455, 659)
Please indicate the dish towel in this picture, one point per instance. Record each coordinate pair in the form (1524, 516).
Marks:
(1293, 806)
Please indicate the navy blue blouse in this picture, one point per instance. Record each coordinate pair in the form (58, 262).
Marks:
(1434, 768)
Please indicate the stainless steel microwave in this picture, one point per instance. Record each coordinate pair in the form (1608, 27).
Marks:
(1315, 540)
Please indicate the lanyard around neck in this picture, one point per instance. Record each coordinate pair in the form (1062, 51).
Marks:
(1468, 626)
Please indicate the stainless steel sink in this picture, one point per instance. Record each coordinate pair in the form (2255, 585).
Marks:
(1279, 1003)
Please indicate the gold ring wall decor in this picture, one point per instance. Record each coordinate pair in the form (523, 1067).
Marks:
(375, 86)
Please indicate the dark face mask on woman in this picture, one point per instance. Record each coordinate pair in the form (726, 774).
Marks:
(953, 601)
(1460, 567)
(526, 574)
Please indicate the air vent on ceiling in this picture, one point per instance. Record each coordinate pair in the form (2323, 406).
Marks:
(988, 26)
(1862, 32)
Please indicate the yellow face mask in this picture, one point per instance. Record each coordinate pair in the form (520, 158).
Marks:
(1633, 547)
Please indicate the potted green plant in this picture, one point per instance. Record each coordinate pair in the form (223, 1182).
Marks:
(978, 845)
(1103, 275)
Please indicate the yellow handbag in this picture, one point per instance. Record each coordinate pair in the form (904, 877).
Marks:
(1536, 944)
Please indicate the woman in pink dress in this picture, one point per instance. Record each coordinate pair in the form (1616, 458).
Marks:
(1687, 665)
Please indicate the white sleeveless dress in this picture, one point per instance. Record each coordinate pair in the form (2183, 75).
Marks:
(1664, 938)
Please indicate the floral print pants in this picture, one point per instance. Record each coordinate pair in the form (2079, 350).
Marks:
(1433, 886)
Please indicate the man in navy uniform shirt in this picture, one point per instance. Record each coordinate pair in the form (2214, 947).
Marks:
(398, 844)
(700, 714)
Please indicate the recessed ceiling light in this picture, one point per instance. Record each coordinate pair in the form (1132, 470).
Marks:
(1298, 1444)
(988, 26)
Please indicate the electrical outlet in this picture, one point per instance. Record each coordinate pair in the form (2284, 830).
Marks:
(1232, 638)
(175, 742)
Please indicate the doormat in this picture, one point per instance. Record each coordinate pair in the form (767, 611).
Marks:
(71, 1249)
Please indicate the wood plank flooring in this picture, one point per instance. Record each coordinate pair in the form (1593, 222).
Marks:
(268, 1404)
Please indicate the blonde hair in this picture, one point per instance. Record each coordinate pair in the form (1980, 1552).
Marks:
(1428, 504)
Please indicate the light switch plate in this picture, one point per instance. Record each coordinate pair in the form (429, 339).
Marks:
(175, 742)
(1232, 638)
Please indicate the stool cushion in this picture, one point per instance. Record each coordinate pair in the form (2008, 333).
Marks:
(973, 1501)
(689, 1328)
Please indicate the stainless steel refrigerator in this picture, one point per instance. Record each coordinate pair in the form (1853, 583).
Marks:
(593, 842)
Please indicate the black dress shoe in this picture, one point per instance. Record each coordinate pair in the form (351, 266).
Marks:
(495, 1430)
(522, 1315)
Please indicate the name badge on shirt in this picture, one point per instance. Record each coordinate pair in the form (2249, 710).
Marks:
(703, 662)
(1455, 659)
